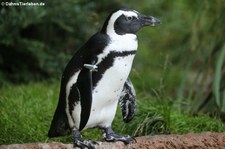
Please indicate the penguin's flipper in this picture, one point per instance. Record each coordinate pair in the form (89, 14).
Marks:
(84, 84)
(127, 101)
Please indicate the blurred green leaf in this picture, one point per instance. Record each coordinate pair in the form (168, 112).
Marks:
(217, 80)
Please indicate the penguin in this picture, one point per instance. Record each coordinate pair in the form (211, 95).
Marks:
(96, 80)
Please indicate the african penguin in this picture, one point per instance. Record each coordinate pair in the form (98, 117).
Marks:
(96, 79)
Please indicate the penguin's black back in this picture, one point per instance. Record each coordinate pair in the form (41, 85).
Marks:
(86, 54)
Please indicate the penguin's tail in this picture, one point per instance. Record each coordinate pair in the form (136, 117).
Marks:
(59, 126)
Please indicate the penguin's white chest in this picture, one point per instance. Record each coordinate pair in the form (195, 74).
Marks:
(107, 92)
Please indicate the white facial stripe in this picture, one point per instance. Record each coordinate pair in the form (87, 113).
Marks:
(136, 11)
(130, 13)
(110, 28)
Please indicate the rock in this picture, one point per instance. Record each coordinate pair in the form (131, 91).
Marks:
(187, 141)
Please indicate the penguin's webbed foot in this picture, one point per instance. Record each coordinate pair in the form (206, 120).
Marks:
(81, 143)
(110, 136)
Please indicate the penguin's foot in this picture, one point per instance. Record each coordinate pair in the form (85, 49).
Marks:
(81, 143)
(110, 136)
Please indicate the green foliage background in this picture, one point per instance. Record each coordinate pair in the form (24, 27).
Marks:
(180, 63)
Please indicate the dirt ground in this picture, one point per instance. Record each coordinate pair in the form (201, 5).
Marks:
(206, 140)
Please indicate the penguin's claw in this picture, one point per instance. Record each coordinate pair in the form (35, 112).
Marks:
(110, 136)
(89, 144)
(125, 139)
(81, 143)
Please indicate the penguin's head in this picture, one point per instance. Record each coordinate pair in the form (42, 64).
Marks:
(126, 21)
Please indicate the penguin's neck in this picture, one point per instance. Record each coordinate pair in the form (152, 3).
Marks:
(119, 44)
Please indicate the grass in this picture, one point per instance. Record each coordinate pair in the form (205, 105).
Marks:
(26, 112)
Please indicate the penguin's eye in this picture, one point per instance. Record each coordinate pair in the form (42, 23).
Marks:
(129, 18)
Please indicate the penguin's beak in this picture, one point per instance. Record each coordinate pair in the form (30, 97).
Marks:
(149, 20)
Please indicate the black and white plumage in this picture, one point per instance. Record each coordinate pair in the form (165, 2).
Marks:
(127, 101)
(96, 79)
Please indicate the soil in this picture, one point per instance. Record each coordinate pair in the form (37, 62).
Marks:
(188, 141)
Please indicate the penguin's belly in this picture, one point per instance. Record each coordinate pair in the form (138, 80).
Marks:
(107, 92)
